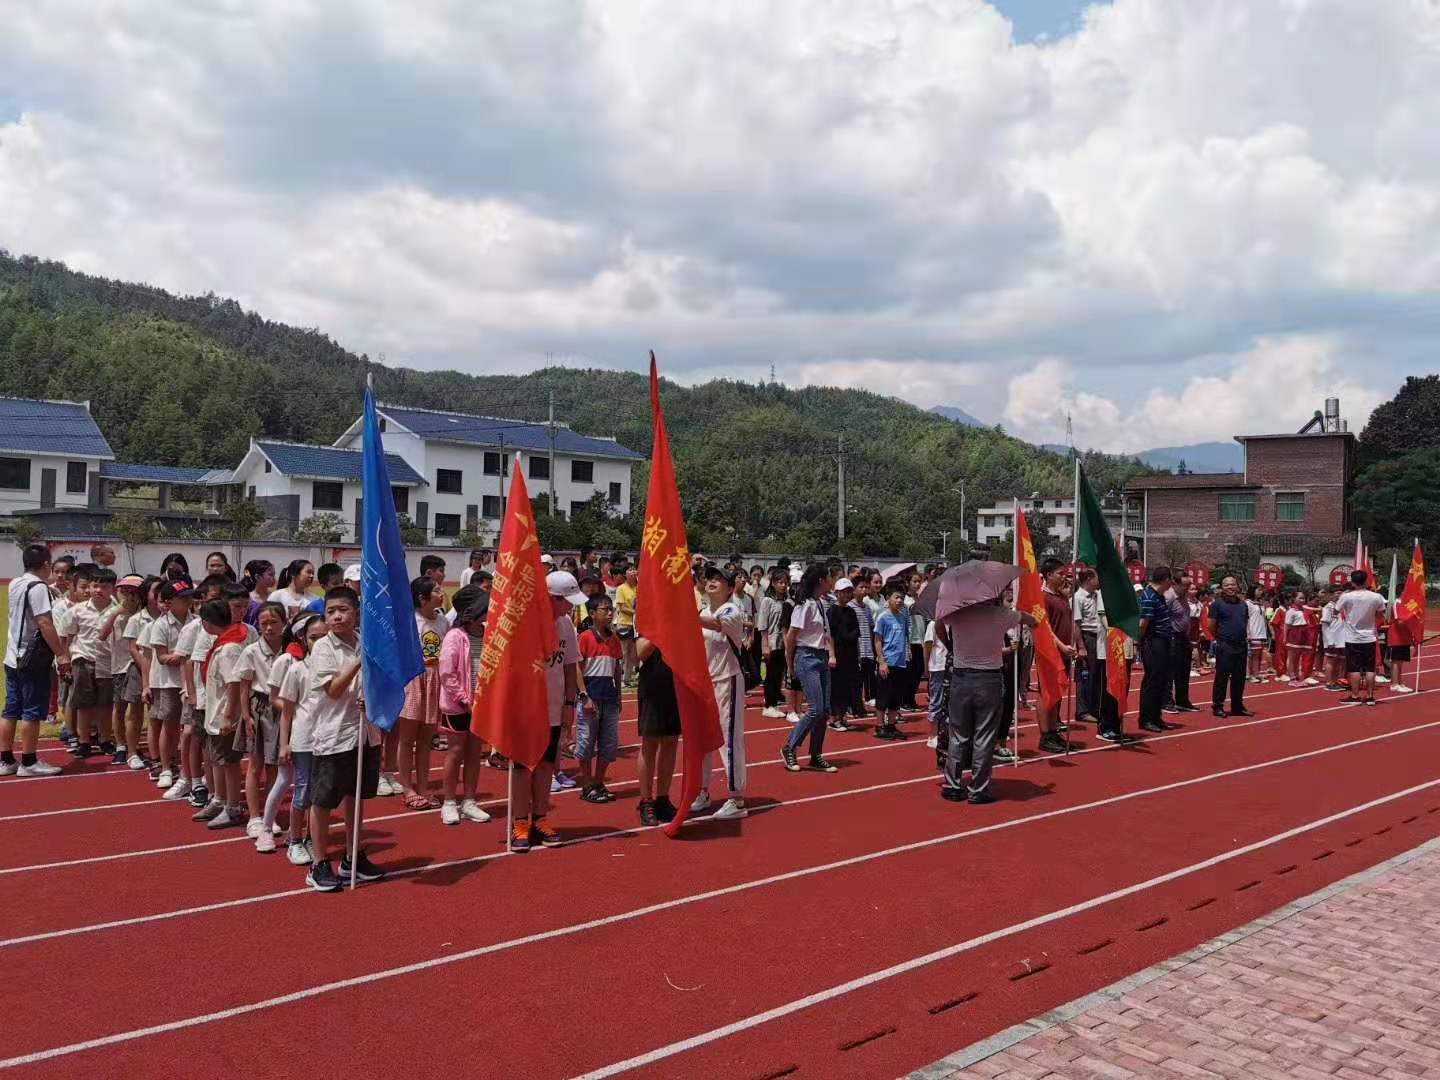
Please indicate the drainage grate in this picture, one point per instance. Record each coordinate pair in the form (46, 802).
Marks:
(946, 1006)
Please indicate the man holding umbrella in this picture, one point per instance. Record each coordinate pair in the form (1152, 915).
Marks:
(966, 601)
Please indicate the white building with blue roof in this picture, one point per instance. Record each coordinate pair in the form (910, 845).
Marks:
(461, 458)
(51, 454)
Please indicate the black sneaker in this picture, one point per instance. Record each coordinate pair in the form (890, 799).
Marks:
(119, 757)
(979, 798)
(952, 794)
(365, 870)
(648, 816)
(82, 750)
(839, 725)
(199, 796)
(1171, 709)
(787, 755)
(665, 809)
(322, 879)
(1003, 753)
(1152, 727)
(896, 734)
(1219, 713)
(606, 795)
(592, 794)
(1053, 744)
(1243, 712)
(1111, 737)
(819, 764)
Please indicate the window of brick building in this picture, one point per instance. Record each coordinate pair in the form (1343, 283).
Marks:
(1237, 507)
(1289, 506)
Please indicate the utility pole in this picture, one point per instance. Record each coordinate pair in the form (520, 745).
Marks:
(502, 478)
(840, 461)
(551, 432)
(945, 545)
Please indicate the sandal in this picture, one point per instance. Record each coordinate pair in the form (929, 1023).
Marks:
(497, 760)
(434, 802)
(416, 801)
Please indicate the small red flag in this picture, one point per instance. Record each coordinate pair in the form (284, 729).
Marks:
(1409, 623)
(1051, 668)
(510, 710)
(665, 611)
(1117, 675)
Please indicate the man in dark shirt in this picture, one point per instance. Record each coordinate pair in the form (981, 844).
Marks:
(1228, 615)
(1177, 599)
(1155, 649)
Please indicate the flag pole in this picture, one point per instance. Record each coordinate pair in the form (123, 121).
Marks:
(509, 803)
(1019, 630)
(1074, 554)
(355, 815)
(1420, 636)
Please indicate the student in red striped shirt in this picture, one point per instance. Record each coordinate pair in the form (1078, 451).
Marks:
(597, 721)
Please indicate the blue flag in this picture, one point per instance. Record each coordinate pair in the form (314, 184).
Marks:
(389, 641)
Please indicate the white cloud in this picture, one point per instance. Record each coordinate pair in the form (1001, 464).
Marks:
(1273, 388)
(893, 182)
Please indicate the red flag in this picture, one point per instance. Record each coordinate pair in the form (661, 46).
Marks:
(510, 710)
(1409, 624)
(665, 611)
(1362, 560)
(1053, 680)
(1117, 675)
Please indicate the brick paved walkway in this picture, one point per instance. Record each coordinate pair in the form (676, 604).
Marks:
(1344, 983)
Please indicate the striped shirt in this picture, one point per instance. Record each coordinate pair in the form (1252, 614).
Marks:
(867, 629)
(600, 661)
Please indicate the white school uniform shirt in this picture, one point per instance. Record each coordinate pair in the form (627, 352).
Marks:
(256, 660)
(724, 664)
(812, 629)
(296, 689)
(335, 722)
(59, 608)
(1256, 628)
(120, 658)
(164, 636)
(279, 668)
(938, 653)
(566, 654)
(137, 630)
(221, 674)
(83, 623)
(194, 643)
(291, 600)
(1332, 628)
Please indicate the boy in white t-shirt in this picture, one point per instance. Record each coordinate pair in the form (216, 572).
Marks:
(221, 675)
(1332, 641)
(722, 625)
(164, 698)
(937, 657)
(91, 688)
(1361, 608)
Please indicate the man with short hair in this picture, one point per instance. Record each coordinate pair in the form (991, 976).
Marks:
(1062, 625)
(27, 675)
(1360, 608)
(1086, 608)
(1155, 649)
(1177, 599)
(1229, 615)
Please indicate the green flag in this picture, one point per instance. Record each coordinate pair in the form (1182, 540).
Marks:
(1095, 547)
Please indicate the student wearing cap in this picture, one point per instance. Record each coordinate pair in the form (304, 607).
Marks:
(722, 625)
(845, 672)
(530, 789)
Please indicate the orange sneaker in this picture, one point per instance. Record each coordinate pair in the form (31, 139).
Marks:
(548, 836)
(520, 835)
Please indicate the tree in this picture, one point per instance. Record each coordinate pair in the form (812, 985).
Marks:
(1176, 553)
(1408, 421)
(1398, 500)
(131, 528)
(245, 519)
(1311, 555)
(473, 537)
(322, 528)
(1003, 550)
(27, 531)
(411, 535)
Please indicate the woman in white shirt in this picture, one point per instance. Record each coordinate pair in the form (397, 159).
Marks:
(811, 655)
(294, 591)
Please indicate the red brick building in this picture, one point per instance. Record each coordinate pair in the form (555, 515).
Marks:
(1294, 487)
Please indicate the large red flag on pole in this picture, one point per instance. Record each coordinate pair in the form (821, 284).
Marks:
(1117, 675)
(510, 711)
(665, 611)
(1051, 669)
(1410, 610)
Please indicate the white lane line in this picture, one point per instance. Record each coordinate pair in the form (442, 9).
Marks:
(1033, 759)
(792, 875)
(907, 966)
(928, 777)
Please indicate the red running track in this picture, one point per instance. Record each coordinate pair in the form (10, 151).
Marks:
(633, 946)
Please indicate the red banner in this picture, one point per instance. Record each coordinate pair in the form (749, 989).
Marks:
(510, 710)
(1410, 611)
(1051, 668)
(665, 611)
(1199, 574)
(1138, 572)
(1269, 576)
(1117, 675)
(1340, 576)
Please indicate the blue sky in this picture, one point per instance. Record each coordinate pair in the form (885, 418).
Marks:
(1042, 19)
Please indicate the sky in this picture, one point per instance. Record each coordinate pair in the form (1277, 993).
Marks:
(1171, 220)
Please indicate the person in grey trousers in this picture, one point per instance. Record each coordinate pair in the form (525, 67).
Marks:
(977, 639)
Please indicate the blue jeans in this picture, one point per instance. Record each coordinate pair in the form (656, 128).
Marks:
(812, 668)
(597, 732)
(26, 699)
(939, 698)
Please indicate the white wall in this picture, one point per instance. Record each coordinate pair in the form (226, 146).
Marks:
(12, 499)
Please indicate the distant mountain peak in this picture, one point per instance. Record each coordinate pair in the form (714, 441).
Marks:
(960, 416)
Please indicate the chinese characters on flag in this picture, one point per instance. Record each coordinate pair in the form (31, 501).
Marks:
(1117, 675)
(510, 710)
(1053, 680)
(666, 614)
(1410, 611)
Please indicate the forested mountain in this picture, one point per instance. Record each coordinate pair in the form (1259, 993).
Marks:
(188, 380)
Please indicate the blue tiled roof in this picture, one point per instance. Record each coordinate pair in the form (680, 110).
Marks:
(488, 431)
(50, 427)
(331, 463)
(153, 474)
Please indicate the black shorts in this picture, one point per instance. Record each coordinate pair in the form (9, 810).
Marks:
(1360, 658)
(224, 749)
(1400, 654)
(890, 692)
(459, 723)
(332, 777)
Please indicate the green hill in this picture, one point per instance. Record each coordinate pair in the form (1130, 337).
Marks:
(188, 380)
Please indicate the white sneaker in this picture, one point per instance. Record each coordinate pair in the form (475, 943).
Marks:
(1283, 678)
(1312, 681)
(449, 813)
(165, 779)
(471, 810)
(555, 785)
(793, 717)
(9, 768)
(265, 842)
(932, 743)
(177, 790)
(136, 762)
(40, 768)
(1381, 680)
(387, 786)
(701, 803)
(870, 704)
(1194, 674)
(1401, 688)
(297, 853)
(733, 808)
(773, 712)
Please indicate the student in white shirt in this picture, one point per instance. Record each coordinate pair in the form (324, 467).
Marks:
(1332, 640)
(166, 675)
(810, 654)
(91, 686)
(27, 686)
(223, 679)
(1361, 609)
(937, 656)
(722, 625)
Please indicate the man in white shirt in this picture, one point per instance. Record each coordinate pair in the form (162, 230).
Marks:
(1360, 608)
(722, 625)
(27, 692)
